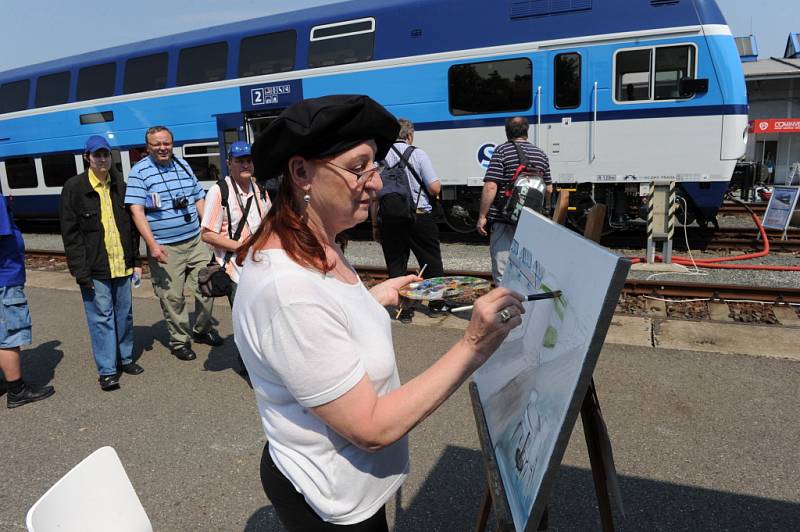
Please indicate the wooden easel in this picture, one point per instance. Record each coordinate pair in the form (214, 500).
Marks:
(595, 432)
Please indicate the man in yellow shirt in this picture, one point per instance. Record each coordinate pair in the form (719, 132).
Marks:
(101, 244)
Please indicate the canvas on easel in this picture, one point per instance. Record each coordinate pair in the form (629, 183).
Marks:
(531, 390)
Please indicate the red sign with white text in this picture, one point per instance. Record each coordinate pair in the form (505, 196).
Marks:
(775, 125)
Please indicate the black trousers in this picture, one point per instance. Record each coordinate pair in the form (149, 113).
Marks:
(293, 510)
(420, 236)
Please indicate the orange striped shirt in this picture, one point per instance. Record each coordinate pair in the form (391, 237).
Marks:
(215, 217)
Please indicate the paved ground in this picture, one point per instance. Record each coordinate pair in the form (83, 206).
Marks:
(703, 441)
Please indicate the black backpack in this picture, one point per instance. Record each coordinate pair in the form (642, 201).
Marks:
(395, 203)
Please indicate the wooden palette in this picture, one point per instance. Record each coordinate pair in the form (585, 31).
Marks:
(455, 287)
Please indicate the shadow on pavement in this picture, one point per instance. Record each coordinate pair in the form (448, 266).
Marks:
(39, 363)
(144, 337)
(263, 519)
(450, 496)
(657, 505)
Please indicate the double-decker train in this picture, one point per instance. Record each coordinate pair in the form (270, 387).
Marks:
(619, 93)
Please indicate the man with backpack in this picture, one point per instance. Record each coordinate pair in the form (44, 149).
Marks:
(234, 209)
(403, 219)
(509, 160)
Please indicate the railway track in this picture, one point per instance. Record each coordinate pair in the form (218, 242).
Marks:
(724, 238)
(678, 299)
(633, 287)
(736, 208)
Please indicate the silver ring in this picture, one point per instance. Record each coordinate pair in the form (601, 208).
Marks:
(505, 315)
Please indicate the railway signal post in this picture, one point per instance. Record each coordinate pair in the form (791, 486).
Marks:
(660, 219)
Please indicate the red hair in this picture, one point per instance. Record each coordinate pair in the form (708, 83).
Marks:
(286, 220)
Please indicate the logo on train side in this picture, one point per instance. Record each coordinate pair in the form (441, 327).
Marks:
(267, 95)
(485, 154)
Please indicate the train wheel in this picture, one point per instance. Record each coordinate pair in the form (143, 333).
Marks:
(682, 214)
(458, 217)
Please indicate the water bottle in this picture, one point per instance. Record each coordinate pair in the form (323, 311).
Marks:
(136, 279)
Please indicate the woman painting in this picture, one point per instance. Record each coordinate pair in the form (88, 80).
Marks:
(317, 344)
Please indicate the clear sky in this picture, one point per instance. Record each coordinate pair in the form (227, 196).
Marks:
(32, 31)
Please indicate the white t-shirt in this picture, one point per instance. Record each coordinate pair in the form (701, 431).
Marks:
(306, 339)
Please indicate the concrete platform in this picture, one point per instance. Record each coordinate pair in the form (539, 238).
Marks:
(689, 431)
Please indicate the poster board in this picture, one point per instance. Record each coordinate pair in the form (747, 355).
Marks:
(780, 207)
(532, 388)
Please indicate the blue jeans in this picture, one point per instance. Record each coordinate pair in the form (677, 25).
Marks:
(109, 312)
(499, 248)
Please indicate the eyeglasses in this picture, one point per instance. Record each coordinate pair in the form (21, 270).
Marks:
(362, 178)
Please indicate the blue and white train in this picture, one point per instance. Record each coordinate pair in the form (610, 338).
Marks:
(619, 93)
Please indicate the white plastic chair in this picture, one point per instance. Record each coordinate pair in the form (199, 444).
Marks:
(94, 496)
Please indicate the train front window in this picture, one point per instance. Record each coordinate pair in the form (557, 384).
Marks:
(14, 96)
(567, 80)
(341, 43)
(672, 64)
(633, 75)
(202, 64)
(146, 73)
(21, 172)
(490, 87)
(52, 89)
(58, 168)
(267, 54)
(96, 81)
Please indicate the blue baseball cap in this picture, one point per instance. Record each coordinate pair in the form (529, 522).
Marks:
(96, 142)
(239, 149)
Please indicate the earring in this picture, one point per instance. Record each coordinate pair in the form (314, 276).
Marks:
(307, 198)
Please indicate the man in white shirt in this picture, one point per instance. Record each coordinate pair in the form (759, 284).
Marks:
(225, 208)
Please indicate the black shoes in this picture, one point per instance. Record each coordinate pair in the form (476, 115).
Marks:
(210, 337)
(109, 382)
(29, 395)
(438, 309)
(184, 352)
(406, 315)
(132, 369)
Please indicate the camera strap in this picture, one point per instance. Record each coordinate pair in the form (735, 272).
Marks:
(177, 175)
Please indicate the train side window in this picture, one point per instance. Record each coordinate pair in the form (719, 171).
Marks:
(341, 43)
(57, 168)
(14, 96)
(96, 81)
(267, 53)
(490, 87)
(52, 89)
(567, 80)
(633, 75)
(145, 73)
(21, 172)
(201, 64)
(672, 64)
(204, 160)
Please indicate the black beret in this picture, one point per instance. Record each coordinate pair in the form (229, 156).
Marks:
(320, 127)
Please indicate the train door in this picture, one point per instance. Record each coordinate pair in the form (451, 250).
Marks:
(256, 123)
(566, 138)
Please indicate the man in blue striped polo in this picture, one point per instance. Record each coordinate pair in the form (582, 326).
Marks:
(165, 199)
